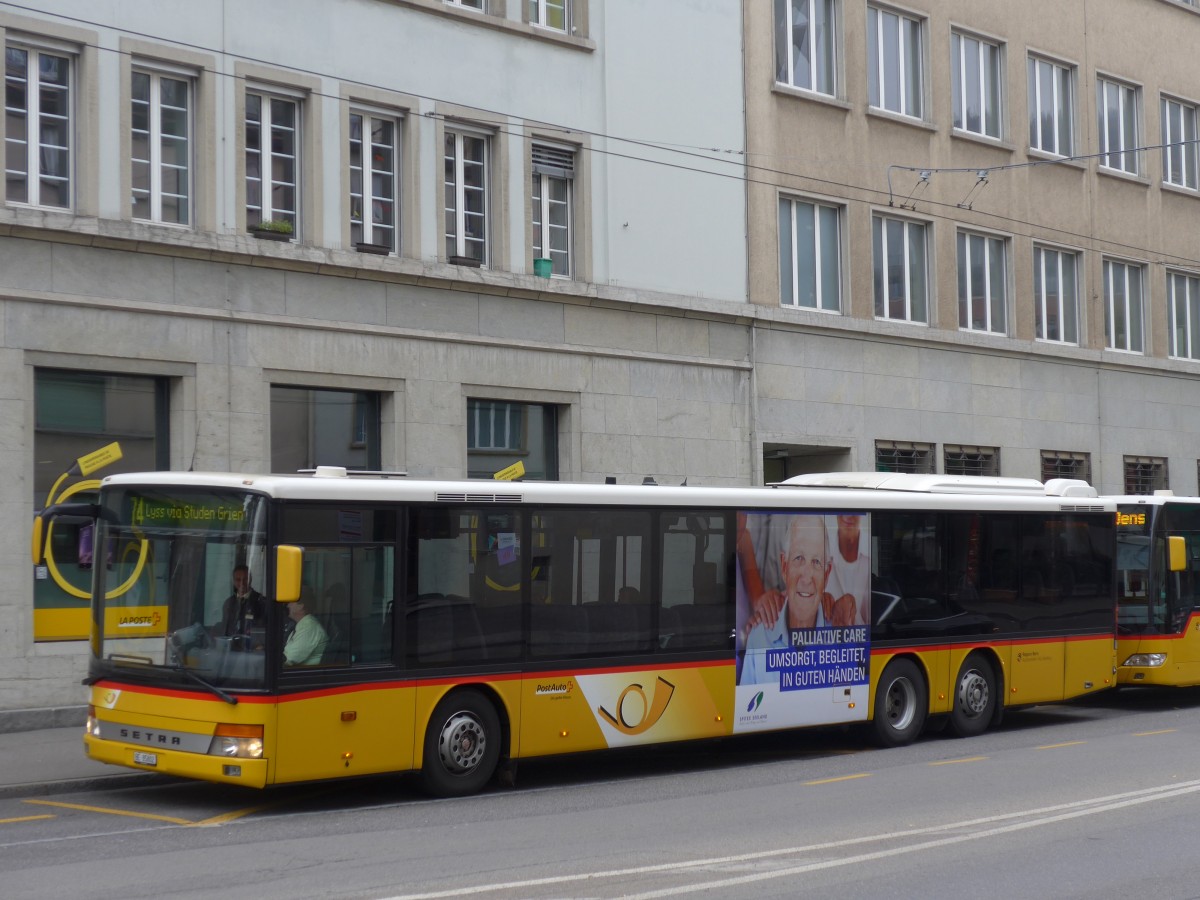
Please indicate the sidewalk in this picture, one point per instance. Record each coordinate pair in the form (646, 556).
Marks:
(52, 761)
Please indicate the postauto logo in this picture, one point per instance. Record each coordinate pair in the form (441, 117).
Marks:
(651, 710)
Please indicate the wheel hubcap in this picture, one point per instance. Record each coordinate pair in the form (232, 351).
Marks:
(901, 703)
(973, 693)
(461, 743)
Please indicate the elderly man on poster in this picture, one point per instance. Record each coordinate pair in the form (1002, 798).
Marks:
(803, 603)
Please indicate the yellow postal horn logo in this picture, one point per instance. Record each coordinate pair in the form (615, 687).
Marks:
(651, 710)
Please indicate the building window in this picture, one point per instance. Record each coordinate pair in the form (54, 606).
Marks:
(1123, 306)
(75, 414)
(1056, 294)
(313, 427)
(1117, 106)
(478, 5)
(982, 283)
(806, 44)
(373, 180)
(1051, 107)
(1183, 299)
(501, 433)
(160, 148)
(810, 250)
(904, 456)
(1066, 464)
(555, 14)
(900, 270)
(894, 62)
(466, 196)
(272, 160)
(553, 207)
(1145, 474)
(978, 94)
(1179, 144)
(961, 460)
(37, 135)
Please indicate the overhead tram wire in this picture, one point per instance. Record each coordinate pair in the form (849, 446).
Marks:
(1150, 255)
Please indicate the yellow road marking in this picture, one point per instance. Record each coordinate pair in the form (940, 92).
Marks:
(26, 819)
(112, 812)
(1056, 746)
(220, 819)
(954, 762)
(235, 814)
(840, 778)
(1148, 733)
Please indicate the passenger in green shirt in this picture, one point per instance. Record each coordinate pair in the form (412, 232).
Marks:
(306, 643)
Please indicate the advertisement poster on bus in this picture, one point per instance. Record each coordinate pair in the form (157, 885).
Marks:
(803, 619)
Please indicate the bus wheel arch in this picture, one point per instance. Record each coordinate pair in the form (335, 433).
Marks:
(901, 703)
(464, 740)
(976, 695)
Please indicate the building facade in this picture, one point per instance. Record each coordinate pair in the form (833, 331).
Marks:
(977, 221)
(447, 236)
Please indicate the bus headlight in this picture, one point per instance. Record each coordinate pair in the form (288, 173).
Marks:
(1146, 660)
(240, 741)
(92, 728)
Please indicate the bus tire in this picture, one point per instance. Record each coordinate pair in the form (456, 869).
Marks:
(901, 704)
(975, 697)
(462, 745)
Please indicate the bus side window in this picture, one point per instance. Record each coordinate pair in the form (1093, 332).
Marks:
(697, 594)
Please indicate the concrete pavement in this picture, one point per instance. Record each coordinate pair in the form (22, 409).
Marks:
(52, 761)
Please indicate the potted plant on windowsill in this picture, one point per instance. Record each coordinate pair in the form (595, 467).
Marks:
(273, 230)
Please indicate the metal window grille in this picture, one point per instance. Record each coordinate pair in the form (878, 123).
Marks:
(1145, 474)
(961, 460)
(904, 456)
(1066, 464)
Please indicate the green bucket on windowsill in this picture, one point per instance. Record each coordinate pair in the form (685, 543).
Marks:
(542, 267)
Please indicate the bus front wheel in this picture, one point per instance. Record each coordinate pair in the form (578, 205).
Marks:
(974, 697)
(462, 745)
(901, 704)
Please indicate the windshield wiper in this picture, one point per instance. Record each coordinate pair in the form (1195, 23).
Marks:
(188, 673)
(125, 658)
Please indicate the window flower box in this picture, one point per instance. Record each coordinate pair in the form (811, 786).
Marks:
(377, 249)
(273, 231)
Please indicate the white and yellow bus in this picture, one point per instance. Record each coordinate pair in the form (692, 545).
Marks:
(454, 627)
(1158, 564)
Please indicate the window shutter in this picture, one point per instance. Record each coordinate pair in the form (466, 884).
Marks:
(557, 162)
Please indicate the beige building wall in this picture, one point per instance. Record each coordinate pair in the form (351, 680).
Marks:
(887, 380)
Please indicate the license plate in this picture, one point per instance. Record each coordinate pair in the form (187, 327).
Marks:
(142, 758)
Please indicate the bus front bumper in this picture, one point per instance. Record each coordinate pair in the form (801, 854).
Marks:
(211, 759)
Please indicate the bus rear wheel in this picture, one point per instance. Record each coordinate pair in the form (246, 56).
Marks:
(974, 697)
(462, 745)
(901, 704)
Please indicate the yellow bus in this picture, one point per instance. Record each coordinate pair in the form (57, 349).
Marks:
(262, 630)
(1158, 562)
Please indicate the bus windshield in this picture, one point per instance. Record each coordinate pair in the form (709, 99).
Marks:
(176, 587)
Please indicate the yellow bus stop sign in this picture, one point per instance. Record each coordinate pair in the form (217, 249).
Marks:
(511, 473)
(98, 459)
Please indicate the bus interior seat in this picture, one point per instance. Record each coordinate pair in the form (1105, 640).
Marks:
(557, 630)
(447, 630)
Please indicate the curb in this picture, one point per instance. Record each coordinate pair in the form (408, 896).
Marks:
(91, 783)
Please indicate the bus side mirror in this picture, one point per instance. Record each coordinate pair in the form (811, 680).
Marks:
(289, 561)
(1176, 553)
(39, 537)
